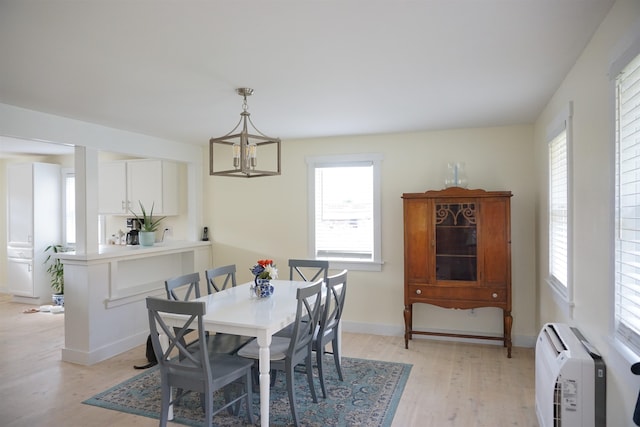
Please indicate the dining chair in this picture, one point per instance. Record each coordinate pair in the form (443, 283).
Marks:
(187, 287)
(308, 270)
(183, 288)
(224, 276)
(218, 279)
(328, 328)
(196, 371)
(287, 353)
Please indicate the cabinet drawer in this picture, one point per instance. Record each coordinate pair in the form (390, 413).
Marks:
(458, 293)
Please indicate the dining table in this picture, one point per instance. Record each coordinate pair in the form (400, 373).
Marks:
(239, 311)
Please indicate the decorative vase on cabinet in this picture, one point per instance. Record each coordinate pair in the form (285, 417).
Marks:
(457, 254)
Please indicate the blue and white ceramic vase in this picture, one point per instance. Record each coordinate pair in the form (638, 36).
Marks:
(58, 299)
(264, 288)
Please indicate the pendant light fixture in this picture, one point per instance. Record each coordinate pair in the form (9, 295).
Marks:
(246, 154)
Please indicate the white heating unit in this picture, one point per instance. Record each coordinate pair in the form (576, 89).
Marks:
(570, 379)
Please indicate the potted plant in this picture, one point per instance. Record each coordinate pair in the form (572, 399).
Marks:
(56, 273)
(148, 225)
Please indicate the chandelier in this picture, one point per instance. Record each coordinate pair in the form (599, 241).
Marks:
(239, 149)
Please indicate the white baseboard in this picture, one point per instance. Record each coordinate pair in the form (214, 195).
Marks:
(104, 353)
(398, 331)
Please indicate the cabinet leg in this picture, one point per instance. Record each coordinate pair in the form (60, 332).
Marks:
(508, 323)
(408, 324)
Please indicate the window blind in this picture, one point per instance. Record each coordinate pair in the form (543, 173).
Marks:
(627, 239)
(344, 211)
(558, 209)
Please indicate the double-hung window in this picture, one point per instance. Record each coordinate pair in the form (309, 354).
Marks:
(344, 210)
(627, 204)
(559, 145)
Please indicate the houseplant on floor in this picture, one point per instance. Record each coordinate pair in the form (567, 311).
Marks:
(148, 224)
(56, 273)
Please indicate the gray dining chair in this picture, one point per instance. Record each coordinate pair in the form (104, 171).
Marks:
(287, 353)
(328, 328)
(308, 270)
(197, 371)
(219, 278)
(187, 287)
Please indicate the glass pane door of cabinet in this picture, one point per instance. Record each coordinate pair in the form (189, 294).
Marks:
(456, 241)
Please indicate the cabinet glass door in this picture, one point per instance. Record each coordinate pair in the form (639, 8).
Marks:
(456, 241)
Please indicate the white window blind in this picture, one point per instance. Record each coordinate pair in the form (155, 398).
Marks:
(558, 210)
(627, 238)
(344, 210)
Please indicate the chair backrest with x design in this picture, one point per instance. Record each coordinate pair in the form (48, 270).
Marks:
(219, 278)
(181, 367)
(183, 288)
(333, 303)
(307, 317)
(308, 270)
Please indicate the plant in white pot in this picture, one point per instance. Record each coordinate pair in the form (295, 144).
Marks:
(148, 225)
(56, 273)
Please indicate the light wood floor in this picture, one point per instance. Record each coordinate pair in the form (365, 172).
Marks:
(451, 384)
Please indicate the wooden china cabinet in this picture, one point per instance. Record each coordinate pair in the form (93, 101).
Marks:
(457, 254)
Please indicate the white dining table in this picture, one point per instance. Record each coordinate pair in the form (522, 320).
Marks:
(236, 311)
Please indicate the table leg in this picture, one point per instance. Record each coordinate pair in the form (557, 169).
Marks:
(265, 367)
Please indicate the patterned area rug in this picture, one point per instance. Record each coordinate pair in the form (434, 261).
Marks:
(368, 396)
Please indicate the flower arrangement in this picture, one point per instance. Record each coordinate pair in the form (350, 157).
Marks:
(265, 269)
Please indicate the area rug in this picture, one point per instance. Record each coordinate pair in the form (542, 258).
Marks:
(368, 396)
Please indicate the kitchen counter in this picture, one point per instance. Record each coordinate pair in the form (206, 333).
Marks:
(105, 292)
(117, 251)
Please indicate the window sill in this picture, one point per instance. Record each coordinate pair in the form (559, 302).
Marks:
(355, 265)
(620, 360)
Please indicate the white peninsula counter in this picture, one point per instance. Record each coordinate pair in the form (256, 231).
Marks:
(105, 312)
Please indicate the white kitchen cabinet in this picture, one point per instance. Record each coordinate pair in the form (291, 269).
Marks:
(33, 223)
(20, 277)
(20, 205)
(123, 184)
(112, 188)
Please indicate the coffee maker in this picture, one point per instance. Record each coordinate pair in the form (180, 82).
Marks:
(133, 236)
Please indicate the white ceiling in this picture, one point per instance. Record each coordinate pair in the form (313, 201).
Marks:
(318, 67)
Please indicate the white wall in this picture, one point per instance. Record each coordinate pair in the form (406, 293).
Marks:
(266, 217)
(588, 85)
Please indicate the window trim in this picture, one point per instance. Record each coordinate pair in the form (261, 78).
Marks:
(346, 160)
(562, 295)
(625, 342)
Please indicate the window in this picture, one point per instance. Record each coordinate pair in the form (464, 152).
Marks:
(344, 210)
(69, 207)
(559, 137)
(627, 205)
